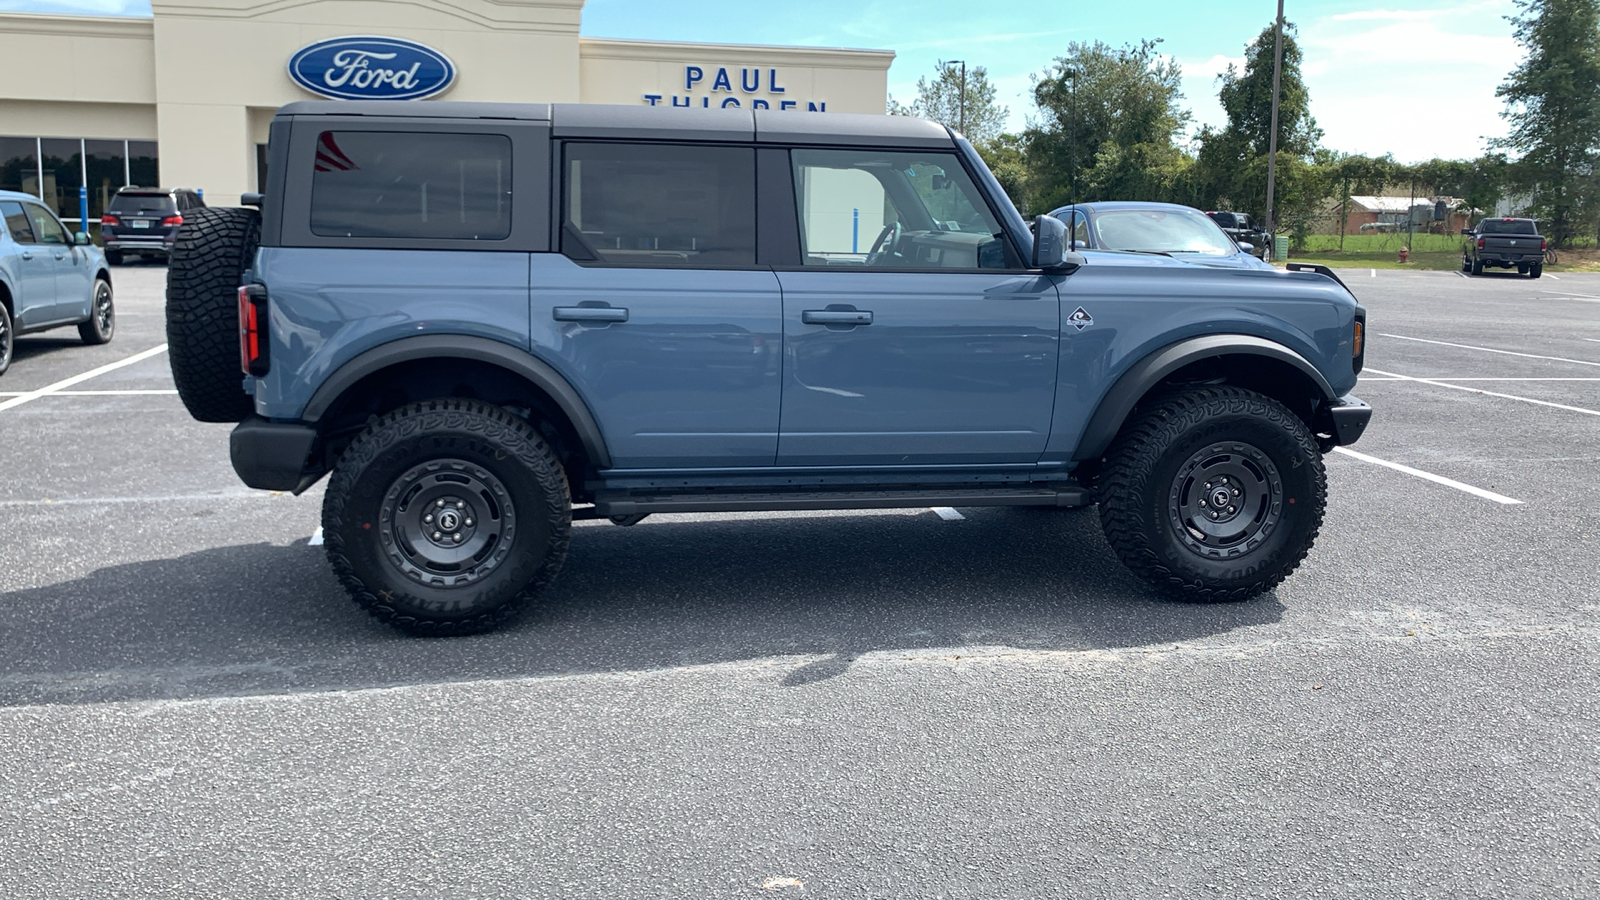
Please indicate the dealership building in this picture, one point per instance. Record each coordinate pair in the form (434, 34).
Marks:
(184, 97)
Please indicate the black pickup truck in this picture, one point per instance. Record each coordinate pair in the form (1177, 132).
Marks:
(1503, 244)
(1244, 231)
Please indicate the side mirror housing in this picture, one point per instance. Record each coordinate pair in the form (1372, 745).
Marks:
(1049, 242)
(81, 239)
(1466, 231)
(1246, 246)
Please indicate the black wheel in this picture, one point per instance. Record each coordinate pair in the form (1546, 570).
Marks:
(102, 323)
(1537, 269)
(1465, 265)
(7, 339)
(114, 257)
(1214, 494)
(213, 248)
(1477, 267)
(1522, 268)
(447, 517)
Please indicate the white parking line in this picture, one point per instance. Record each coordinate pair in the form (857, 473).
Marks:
(1571, 294)
(316, 538)
(92, 393)
(1579, 362)
(69, 382)
(1470, 390)
(1556, 277)
(1374, 273)
(948, 514)
(1429, 476)
(1462, 275)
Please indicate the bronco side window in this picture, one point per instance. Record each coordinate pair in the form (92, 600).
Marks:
(655, 205)
(383, 184)
(893, 209)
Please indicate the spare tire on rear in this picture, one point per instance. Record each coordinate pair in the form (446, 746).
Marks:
(213, 249)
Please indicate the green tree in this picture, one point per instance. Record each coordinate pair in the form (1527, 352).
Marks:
(1553, 103)
(979, 117)
(1109, 122)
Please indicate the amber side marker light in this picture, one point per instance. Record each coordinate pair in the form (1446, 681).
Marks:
(1356, 346)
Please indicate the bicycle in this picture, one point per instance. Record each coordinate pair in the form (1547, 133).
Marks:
(1550, 257)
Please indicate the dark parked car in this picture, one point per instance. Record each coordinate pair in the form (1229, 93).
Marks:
(1504, 243)
(1165, 228)
(143, 221)
(1244, 230)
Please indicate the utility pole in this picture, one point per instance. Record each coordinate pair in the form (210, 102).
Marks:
(963, 128)
(1272, 139)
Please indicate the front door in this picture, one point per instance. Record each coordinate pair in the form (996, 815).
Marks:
(914, 335)
(73, 275)
(35, 268)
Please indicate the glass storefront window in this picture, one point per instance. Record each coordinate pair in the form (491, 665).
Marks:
(19, 167)
(142, 167)
(106, 162)
(63, 171)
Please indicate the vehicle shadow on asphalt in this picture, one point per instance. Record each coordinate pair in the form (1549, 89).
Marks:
(258, 618)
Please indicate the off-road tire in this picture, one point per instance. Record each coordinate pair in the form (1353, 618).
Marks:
(1144, 491)
(102, 322)
(8, 339)
(515, 518)
(214, 247)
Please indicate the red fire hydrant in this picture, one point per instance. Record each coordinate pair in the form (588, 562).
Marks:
(1405, 253)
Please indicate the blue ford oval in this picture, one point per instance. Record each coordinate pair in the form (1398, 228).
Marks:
(371, 68)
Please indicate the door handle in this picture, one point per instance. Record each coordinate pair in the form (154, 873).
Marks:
(836, 317)
(61, 256)
(589, 314)
(27, 254)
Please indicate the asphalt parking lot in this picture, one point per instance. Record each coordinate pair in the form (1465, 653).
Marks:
(906, 704)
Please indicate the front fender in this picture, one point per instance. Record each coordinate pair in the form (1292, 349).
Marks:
(1153, 369)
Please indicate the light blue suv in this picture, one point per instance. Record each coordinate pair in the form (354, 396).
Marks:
(49, 277)
(487, 320)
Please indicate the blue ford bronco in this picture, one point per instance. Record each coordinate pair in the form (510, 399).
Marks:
(487, 320)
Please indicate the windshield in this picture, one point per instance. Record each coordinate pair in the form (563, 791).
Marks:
(1175, 231)
(149, 204)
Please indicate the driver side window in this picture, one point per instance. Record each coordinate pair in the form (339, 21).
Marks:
(889, 209)
(45, 226)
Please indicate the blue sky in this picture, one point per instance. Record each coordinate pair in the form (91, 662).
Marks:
(1415, 79)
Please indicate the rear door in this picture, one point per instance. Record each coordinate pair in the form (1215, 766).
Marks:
(913, 333)
(655, 309)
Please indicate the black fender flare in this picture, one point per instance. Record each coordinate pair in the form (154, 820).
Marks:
(429, 346)
(1151, 370)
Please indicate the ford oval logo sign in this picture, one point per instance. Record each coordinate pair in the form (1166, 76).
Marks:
(371, 68)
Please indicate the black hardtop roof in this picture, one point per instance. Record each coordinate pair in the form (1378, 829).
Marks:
(596, 120)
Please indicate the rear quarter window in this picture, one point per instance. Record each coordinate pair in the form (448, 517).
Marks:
(149, 204)
(381, 184)
(1495, 226)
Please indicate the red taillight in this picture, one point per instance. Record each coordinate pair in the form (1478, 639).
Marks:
(253, 330)
(1480, 243)
(109, 219)
(1544, 244)
(172, 220)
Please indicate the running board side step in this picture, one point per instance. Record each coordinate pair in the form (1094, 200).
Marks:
(622, 504)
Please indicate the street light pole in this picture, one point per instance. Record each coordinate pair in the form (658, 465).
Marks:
(1272, 139)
